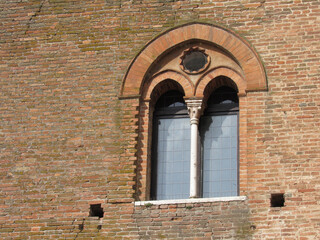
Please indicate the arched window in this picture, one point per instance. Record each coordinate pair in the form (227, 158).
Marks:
(192, 60)
(170, 148)
(219, 144)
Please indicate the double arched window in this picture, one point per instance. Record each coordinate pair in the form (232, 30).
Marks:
(219, 147)
(190, 84)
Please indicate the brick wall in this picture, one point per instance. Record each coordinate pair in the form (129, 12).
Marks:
(67, 141)
(194, 221)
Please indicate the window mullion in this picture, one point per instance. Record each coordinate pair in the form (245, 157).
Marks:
(195, 111)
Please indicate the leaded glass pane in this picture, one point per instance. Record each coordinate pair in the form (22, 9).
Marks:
(173, 159)
(220, 168)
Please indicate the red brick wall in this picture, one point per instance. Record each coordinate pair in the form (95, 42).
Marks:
(67, 141)
(194, 221)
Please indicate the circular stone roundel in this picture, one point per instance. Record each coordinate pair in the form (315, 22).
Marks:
(194, 60)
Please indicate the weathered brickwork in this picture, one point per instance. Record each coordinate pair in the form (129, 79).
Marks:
(68, 141)
(194, 221)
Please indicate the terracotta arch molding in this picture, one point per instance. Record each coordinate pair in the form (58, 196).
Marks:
(185, 83)
(239, 48)
(221, 71)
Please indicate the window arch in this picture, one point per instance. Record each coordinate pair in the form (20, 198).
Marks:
(228, 64)
(230, 42)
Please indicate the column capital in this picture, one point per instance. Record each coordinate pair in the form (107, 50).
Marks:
(194, 110)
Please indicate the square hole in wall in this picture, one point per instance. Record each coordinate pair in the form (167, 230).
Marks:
(277, 200)
(96, 210)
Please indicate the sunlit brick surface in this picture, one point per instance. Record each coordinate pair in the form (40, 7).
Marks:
(67, 141)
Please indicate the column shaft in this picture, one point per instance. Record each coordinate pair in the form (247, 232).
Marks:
(194, 109)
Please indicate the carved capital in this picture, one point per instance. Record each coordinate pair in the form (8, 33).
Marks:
(194, 110)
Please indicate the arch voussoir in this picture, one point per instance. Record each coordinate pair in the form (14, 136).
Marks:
(239, 48)
(184, 82)
(214, 73)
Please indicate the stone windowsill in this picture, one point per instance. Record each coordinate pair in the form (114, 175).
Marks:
(190, 200)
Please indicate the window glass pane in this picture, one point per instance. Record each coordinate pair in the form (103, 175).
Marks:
(194, 61)
(223, 95)
(220, 168)
(170, 99)
(173, 160)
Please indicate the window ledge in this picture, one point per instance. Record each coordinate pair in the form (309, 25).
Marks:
(191, 200)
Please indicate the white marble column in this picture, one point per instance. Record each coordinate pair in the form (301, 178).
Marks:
(195, 111)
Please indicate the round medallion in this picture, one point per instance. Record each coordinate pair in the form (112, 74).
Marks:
(194, 60)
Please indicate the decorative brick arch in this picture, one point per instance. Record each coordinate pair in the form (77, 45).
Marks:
(240, 49)
(221, 71)
(184, 82)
